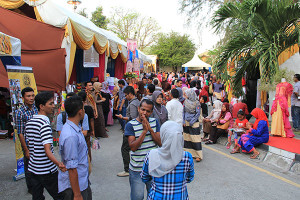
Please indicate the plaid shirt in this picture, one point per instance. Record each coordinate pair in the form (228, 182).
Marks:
(171, 186)
(23, 115)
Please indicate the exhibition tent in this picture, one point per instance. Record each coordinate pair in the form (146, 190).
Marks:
(196, 64)
(40, 49)
(79, 32)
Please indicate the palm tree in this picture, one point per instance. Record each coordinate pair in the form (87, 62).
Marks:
(262, 30)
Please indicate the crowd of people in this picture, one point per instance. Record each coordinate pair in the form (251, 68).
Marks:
(162, 117)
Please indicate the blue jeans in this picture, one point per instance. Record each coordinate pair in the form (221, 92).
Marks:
(123, 113)
(137, 186)
(296, 117)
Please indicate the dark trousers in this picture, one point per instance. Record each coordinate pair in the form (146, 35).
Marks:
(69, 195)
(27, 173)
(125, 149)
(48, 181)
(296, 117)
(88, 143)
(216, 133)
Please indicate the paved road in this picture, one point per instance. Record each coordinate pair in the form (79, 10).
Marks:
(217, 176)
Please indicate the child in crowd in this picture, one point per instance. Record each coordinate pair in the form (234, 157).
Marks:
(203, 104)
(239, 128)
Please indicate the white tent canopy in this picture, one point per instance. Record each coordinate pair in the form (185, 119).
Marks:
(196, 64)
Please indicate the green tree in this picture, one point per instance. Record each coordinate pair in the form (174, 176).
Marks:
(173, 49)
(262, 30)
(99, 19)
(128, 24)
(83, 13)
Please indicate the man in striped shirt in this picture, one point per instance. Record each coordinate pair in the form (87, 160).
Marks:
(143, 135)
(42, 163)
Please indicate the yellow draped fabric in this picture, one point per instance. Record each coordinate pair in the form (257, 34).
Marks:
(98, 47)
(123, 57)
(72, 57)
(284, 56)
(11, 4)
(37, 15)
(277, 126)
(83, 44)
(112, 54)
(263, 98)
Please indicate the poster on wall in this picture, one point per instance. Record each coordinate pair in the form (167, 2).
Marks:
(19, 78)
(90, 57)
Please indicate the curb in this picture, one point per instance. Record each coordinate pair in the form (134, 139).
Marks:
(284, 160)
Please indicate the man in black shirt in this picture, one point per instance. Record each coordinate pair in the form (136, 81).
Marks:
(90, 113)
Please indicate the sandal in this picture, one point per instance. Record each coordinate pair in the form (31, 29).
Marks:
(198, 159)
(228, 145)
(235, 151)
(209, 142)
(254, 156)
(205, 140)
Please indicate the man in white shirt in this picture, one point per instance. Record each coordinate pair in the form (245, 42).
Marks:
(174, 107)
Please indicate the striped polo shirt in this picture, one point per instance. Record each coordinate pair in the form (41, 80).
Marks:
(135, 128)
(38, 132)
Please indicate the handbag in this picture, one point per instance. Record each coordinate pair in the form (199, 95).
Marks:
(223, 126)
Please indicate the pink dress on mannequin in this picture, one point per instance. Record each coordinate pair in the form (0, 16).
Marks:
(280, 114)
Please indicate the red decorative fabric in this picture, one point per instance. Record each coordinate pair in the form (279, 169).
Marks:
(100, 71)
(3, 76)
(120, 67)
(259, 114)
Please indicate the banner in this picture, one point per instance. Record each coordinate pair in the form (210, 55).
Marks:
(19, 78)
(133, 62)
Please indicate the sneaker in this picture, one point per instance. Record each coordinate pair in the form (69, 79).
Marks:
(123, 174)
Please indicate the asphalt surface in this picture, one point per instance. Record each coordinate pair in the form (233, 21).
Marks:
(216, 176)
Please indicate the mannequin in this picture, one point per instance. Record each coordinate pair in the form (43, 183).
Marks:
(280, 114)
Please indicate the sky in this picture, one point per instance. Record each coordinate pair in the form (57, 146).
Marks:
(166, 13)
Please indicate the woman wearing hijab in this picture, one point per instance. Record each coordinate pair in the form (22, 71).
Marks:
(106, 105)
(183, 82)
(223, 124)
(211, 119)
(256, 135)
(169, 167)
(99, 122)
(204, 92)
(159, 111)
(191, 130)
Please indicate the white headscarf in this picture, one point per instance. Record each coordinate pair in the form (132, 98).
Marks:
(217, 110)
(164, 159)
(218, 106)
